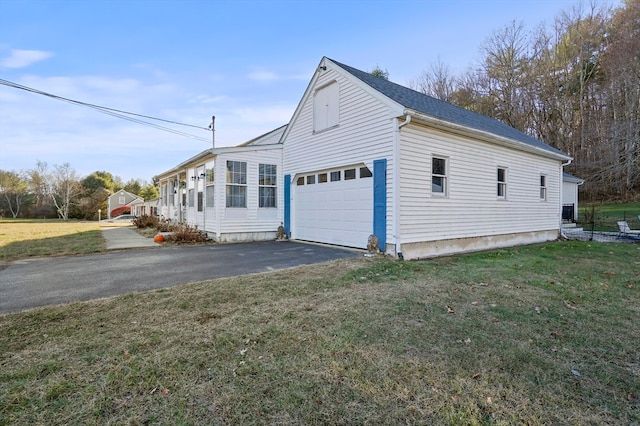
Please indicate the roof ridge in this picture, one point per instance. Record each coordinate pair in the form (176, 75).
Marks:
(443, 110)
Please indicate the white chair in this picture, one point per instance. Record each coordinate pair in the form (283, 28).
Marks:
(625, 230)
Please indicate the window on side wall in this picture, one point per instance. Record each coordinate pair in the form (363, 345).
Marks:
(236, 193)
(326, 107)
(267, 180)
(200, 178)
(209, 190)
(543, 187)
(502, 183)
(439, 176)
(191, 198)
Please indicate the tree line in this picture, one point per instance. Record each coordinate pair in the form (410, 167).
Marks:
(58, 191)
(575, 86)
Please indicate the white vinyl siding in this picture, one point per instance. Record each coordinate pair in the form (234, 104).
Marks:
(365, 134)
(472, 208)
(235, 224)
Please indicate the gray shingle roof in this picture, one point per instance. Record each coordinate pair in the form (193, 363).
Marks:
(442, 110)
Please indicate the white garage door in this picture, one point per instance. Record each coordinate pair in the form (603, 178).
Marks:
(334, 207)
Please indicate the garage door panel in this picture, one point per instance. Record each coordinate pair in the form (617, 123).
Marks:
(334, 212)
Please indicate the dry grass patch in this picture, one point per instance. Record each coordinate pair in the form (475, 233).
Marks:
(545, 334)
(24, 238)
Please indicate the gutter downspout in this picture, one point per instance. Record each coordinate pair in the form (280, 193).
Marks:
(562, 234)
(396, 183)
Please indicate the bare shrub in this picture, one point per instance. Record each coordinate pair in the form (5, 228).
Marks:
(186, 234)
(146, 221)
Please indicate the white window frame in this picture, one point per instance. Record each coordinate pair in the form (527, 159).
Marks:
(326, 107)
(543, 188)
(236, 187)
(444, 177)
(210, 187)
(267, 185)
(502, 185)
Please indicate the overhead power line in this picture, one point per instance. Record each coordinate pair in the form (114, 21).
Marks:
(125, 115)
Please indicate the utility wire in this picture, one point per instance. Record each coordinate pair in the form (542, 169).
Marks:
(114, 112)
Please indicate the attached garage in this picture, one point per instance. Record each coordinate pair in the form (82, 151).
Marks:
(333, 206)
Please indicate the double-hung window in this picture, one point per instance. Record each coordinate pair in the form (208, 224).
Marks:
(543, 187)
(267, 179)
(200, 184)
(236, 184)
(502, 183)
(209, 191)
(438, 176)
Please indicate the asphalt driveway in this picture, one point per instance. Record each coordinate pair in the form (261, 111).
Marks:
(47, 281)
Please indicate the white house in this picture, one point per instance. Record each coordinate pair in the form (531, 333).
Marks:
(362, 155)
(570, 186)
(232, 193)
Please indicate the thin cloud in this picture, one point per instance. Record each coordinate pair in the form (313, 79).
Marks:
(24, 58)
(263, 75)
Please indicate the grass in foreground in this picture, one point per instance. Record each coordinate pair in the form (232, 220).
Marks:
(24, 238)
(544, 334)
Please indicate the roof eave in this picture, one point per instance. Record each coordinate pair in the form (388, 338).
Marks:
(214, 152)
(484, 136)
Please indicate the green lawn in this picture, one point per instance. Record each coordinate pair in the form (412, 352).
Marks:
(537, 335)
(604, 217)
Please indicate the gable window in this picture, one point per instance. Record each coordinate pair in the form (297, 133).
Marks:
(121, 200)
(236, 184)
(267, 179)
(543, 187)
(439, 176)
(502, 183)
(326, 107)
(209, 190)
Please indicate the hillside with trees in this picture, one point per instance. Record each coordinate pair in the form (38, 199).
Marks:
(575, 85)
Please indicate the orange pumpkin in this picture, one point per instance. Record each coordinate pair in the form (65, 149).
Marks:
(158, 238)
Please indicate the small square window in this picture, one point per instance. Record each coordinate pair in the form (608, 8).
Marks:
(349, 174)
(311, 179)
(365, 172)
(322, 178)
(335, 176)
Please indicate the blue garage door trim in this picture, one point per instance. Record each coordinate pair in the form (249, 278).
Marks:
(380, 202)
(287, 205)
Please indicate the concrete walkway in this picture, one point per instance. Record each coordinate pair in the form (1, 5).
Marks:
(124, 237)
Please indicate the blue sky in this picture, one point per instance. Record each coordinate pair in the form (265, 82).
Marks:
(246, 62)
